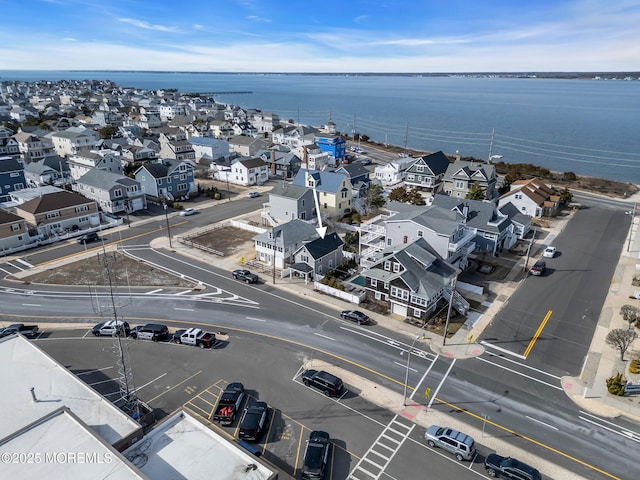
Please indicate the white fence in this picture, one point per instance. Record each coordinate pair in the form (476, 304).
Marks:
(248, 227)
(352, 297)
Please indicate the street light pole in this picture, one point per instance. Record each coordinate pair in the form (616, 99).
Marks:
(446, 323)
(166, 217)
(406, 376)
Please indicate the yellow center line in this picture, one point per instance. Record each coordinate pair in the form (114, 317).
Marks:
(537, 334)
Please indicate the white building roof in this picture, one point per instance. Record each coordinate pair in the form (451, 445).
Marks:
(25, 366)
(188, 449)
(60, 445)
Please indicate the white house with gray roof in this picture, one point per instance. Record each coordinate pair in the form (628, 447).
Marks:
(107, 159)
(285, 240)
(289, 202)
(244, 171)
(114, 193)
(71, 142)
(462, 175)
(246, 146)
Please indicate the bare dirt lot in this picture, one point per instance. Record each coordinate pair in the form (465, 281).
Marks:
(113, 269)
(228, 240)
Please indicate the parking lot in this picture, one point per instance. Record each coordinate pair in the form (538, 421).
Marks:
(168, 376)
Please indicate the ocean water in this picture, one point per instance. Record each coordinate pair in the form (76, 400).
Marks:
(589, 127)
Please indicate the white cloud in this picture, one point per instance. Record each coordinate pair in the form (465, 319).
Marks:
(148, 26)
(257, 19)
(361, 19)
(70, 39)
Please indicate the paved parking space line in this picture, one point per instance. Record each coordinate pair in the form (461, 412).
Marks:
(93, 371)
(149, 383)
(175, 386)
(192, 405)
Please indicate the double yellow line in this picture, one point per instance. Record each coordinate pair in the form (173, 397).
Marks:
(537, 334)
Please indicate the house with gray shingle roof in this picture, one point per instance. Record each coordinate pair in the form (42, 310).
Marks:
(52, 169)
(521, 222)
(412, 280)
(164, 178)
(333, 189)
(285, 240)
(246, 146)
(427, 172)
(462, 175)
(244, 171)
(322, 255)
(114, 193)
(55, 213)
(14, 231)
(11, 177)
(289, 202)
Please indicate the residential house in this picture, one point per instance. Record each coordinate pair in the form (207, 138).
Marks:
(521, 222)
(427, 172)
(33, 148)
(394, 172)
(358, 177)
(26, 194)
(295, 137)
(265, 122)
(282, 163)
(321, 255)
(11, 177)
(289, 202)
(149, 121)
(532, 197)
(166, 179)
(209, 149)
(8, 145)
(14, 231)
(246, 146)
(462, 175)
(137, 153)
(245, 129)
(114, 193)
(54, 213)
(174, 144)
(71, 141)
(333, 145)
(82, 162)
(244, 171)
(222, 129)
(333, 189)
(412, 280)
(50, 170)
(169, 111)
(316, 159)
(283, 240)
(22, 113)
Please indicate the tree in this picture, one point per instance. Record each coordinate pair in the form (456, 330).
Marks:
(566, 196)
(415, 197)
(630, 313)
(621, 339)
(476, 192)
(109, 131)
(374, 199)
(398, 194)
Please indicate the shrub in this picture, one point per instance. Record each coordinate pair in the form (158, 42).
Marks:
(615, 386)
(634, 366)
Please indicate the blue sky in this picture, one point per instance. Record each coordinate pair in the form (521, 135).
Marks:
(325, 36)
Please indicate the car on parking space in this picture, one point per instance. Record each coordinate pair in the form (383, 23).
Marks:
(460, 444)
(111, 328)
(327, 383)
(355, 316)
(538, 268)
(253, 194)
(365, 161)
(253, 421)
(88, 238)
(245, 275)
(507, 467)
(187, 212)
(316, 455)
(150, 331)
(549, 252)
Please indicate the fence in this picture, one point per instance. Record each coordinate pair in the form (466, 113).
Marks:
(355, 297)
(204, 248)
(248, 227)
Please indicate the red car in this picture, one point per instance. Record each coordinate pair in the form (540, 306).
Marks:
(538, 268)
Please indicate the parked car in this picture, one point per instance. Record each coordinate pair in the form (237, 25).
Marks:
(150, 331)
(365, 161)
(327, 383)
(538, 268)
(111, 328)
(253, 421)
(253, 194)
(188, 211)
(88, 238)
(507, 467)
(26, 330)
(316, 455)
(549, 252)
(460, 444)
(355, 316)
(245, 275)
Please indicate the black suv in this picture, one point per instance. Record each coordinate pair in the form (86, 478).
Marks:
(150, 331)
(316, 455)
(88, 237)
(252, 421)
(355, 316)
(327, 383)
(507, 467)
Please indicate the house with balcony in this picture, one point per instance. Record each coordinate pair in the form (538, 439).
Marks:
(222, 129)
(246, 146)
(14, 232)
(427, 172)
(462, 175)
(413, 280)
(60, 212)
(532, 197)
(244, 171)
(288, 202)
(32, 147)
(174, 144)
(137, 153)
(333, 145)
(264, 122)
(315, 159)
(358, 177)
(72, 141)
(52, 170)
(394, 172)
(81, 163)
(166, 179)
(8, 145)
(319, 256)
(114, 193)
(282, 163)
(295, 137)
(333, 189)
(279, 243)
(11, 177)
(209, 149)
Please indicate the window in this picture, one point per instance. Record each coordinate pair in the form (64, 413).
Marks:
(411, 177)
(83, 219)
(419, 168)
(15, 227)
(374, 283)
(389, 242)
(159, 181)
(117, 192)
(399, 293)
(417, 313)
(460, 185)
(387, 266)
(182, 187)
(518, 196)
(419, 233)
(52, 215)
(378, 296)
(386, 286)
(396, 267)
(183, 176)
(405, 239)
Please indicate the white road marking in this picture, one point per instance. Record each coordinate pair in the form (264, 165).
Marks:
(154, 291)
(503, 350)
(27, 264)
(183, 292)
(541, 422)
(622, 434)
(557, 387)
(184, 309)
(435, 394)
(31, 305)
(93, 371)
(149, 383)
(405, 367)
(524, 365)
(256, 319)
(324, 336)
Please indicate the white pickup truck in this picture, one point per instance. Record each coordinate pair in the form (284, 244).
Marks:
(195, 337)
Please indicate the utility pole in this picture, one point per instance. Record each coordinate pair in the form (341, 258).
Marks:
(446, 323)
(406, 138)
(493, 131)
(166, 217)
(526, 260)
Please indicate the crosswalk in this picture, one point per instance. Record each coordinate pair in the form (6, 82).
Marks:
(374, 462)
(14, 266)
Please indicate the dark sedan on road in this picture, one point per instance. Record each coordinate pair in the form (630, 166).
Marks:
(507, 467)
(355, 316)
